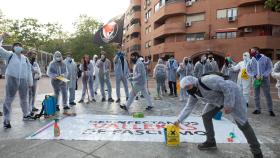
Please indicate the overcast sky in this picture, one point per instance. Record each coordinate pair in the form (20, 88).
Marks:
(64, 12)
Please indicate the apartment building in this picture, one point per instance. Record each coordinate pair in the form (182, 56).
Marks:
(194, 27)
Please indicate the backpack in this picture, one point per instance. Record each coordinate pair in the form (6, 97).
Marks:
(160, 73)
(211, 73)
(11, 58)
(48, 106)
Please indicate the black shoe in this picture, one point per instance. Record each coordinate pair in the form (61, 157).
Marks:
(207, 146)
(137, 98)
(123, 107)
(7, 125)
(81, 101)
(35, 109)
(93, 100)
(1, 113)
(142, 96)
(103, 100)
(95, 93)
(170, 94)
(247, 105)
(175, 95)
(271, 113)
(111, 100)
(165, 91)
(149, 108)
(72, 103)
(29, 118)
(66, 108)
(57, 108)
(257, 112)
(118, 100)
(260, 155)
(126, 98)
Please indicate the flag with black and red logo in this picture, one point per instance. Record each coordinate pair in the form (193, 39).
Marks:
(111, 32)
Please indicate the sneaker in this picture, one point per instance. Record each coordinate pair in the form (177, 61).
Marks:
(1, 113)
(32, 114)
(259, 155)
(103, 100)
(66, 108)
(149, 108)
(123, 107)
(271, 113)
(29, 118)
(35, 109)
(118, 100)
(57, 108)
(257, 112)
(207, 146)
(110, 100)
(93, 100)
(81, 101)
(7, 125)
(72, 103)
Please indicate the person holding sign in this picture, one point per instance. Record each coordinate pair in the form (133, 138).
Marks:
(243, 80)
(260, 67)
(218, 93)
(57, 71)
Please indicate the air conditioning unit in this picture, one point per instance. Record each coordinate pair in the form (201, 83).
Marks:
(248, 30)
(188, 23)
(189, 3)
(231, 19)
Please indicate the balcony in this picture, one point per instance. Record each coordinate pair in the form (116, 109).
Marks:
(134, 28)
(242, 3)
(174, 8)
(263, 18)
(168, 29)
(134, 41)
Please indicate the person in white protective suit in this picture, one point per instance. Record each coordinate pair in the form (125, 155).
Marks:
(18, 78)
(244, 80)
(36, 74)
(138, 83)
(95, 73)
(57, 68)
(218, 94)
(276, 74)
(72, 77)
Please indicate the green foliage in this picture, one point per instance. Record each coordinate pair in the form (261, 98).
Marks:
(274, 5)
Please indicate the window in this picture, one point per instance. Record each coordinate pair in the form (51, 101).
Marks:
(225, 13)
(226, 35)
(148, 14)
(148, 44)
(160, 4)
(148, 29)
(195, 36)
(196, 17)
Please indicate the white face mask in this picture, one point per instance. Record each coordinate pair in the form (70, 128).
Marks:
(203, 58)
(58, 58)
(102, 57)
(18, 49)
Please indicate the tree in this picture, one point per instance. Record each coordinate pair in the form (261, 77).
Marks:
(274, 5)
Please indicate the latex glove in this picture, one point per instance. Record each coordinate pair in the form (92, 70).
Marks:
(227, 110)
(177, 123)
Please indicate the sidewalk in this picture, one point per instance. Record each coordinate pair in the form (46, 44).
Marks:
(14, 145)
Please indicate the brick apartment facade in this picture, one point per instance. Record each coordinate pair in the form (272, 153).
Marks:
(194, 27)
